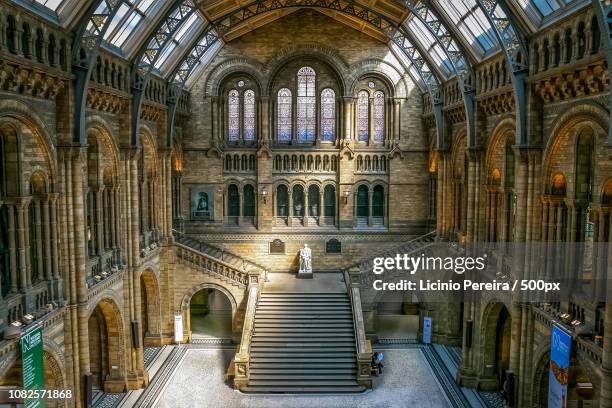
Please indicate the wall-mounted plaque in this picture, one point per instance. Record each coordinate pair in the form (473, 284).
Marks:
(333, 246)
(277, 247)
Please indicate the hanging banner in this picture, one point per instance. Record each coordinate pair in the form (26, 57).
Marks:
(560, 347)
(33, 370)
(427, 330)
(178, 328)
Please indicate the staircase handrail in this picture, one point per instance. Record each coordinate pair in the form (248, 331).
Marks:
(241, 359)
(217, 266)
(393, 250)
(364, 355)
(181, 237)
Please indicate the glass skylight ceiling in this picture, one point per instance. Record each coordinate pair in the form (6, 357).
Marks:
(429, 45)
(546, 7)
(471, 22)
(127, 19)
(179, 42)
(50, 4)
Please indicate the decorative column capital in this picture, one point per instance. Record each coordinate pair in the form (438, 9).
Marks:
(129, 152)
(71, 152)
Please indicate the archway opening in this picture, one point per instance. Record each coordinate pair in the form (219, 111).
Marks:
(497, 326)
(210, 314)
(105, 336)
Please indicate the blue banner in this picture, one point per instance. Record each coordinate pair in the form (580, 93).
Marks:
(560, 347)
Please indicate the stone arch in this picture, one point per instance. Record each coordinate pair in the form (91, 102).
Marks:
(97, 123)
(110, 311)
(224, 69)
(387, 73)
(328, 55)
(23, 114)
(151, 327)
(495, 313)
(54, 377)
(186, 301)
(567, 127)
(540, 372)
(26, 153)
(501, 133)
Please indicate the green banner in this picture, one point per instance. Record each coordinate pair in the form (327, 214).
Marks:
(32, 360)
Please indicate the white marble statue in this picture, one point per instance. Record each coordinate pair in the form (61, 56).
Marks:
(305, 260)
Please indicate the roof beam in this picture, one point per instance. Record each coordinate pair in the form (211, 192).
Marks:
(149, 54)
(516, 56)
(603, 10)
(456, 55)
(85, 51)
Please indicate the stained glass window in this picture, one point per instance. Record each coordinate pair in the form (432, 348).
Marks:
(233, 115)
(379, 116)
(249, 115)
(284, 115)
(306, 105)
(363, 110)
(328, 115)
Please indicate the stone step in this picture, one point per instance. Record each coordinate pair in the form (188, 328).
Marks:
(303, 354)
(309, 365)
(300, 337)
(306, 330)
(304, 383)
(317, 326)
(302, 377)
(306, 370)
(307, 358)
(355, 389)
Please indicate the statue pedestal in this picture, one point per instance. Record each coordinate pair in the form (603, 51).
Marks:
(304, 274)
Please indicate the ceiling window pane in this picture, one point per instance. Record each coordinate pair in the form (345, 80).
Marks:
(165, 54)
(428, 43)
(120, 15)
(51, 4)
(126, 29)
(471, 22)
(180, 34)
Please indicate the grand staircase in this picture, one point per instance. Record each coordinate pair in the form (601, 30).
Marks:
(303, 343)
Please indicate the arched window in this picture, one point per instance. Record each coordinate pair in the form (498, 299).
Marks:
(249, 115)
(248, 209)
(313, 201)
(328, 115)
(362, 201)
(378, 201)
(306, 104)
(298, 200)
(363, 111)
(282, 201)
(233, 115)
(329, 198)
(233, 201)
(379, 116)
(284, 115)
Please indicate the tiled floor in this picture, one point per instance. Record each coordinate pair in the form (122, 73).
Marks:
(197, 381)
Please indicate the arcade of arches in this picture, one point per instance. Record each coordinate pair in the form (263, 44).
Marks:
(141, 185)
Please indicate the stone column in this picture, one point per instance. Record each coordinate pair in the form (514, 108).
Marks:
(55, 254)
(290, 209)
(348, 118)
(46, 224)
(370, 195)
(306, 204)
(605, 400)
(23, 247)
(321, 209)
(12, 231)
